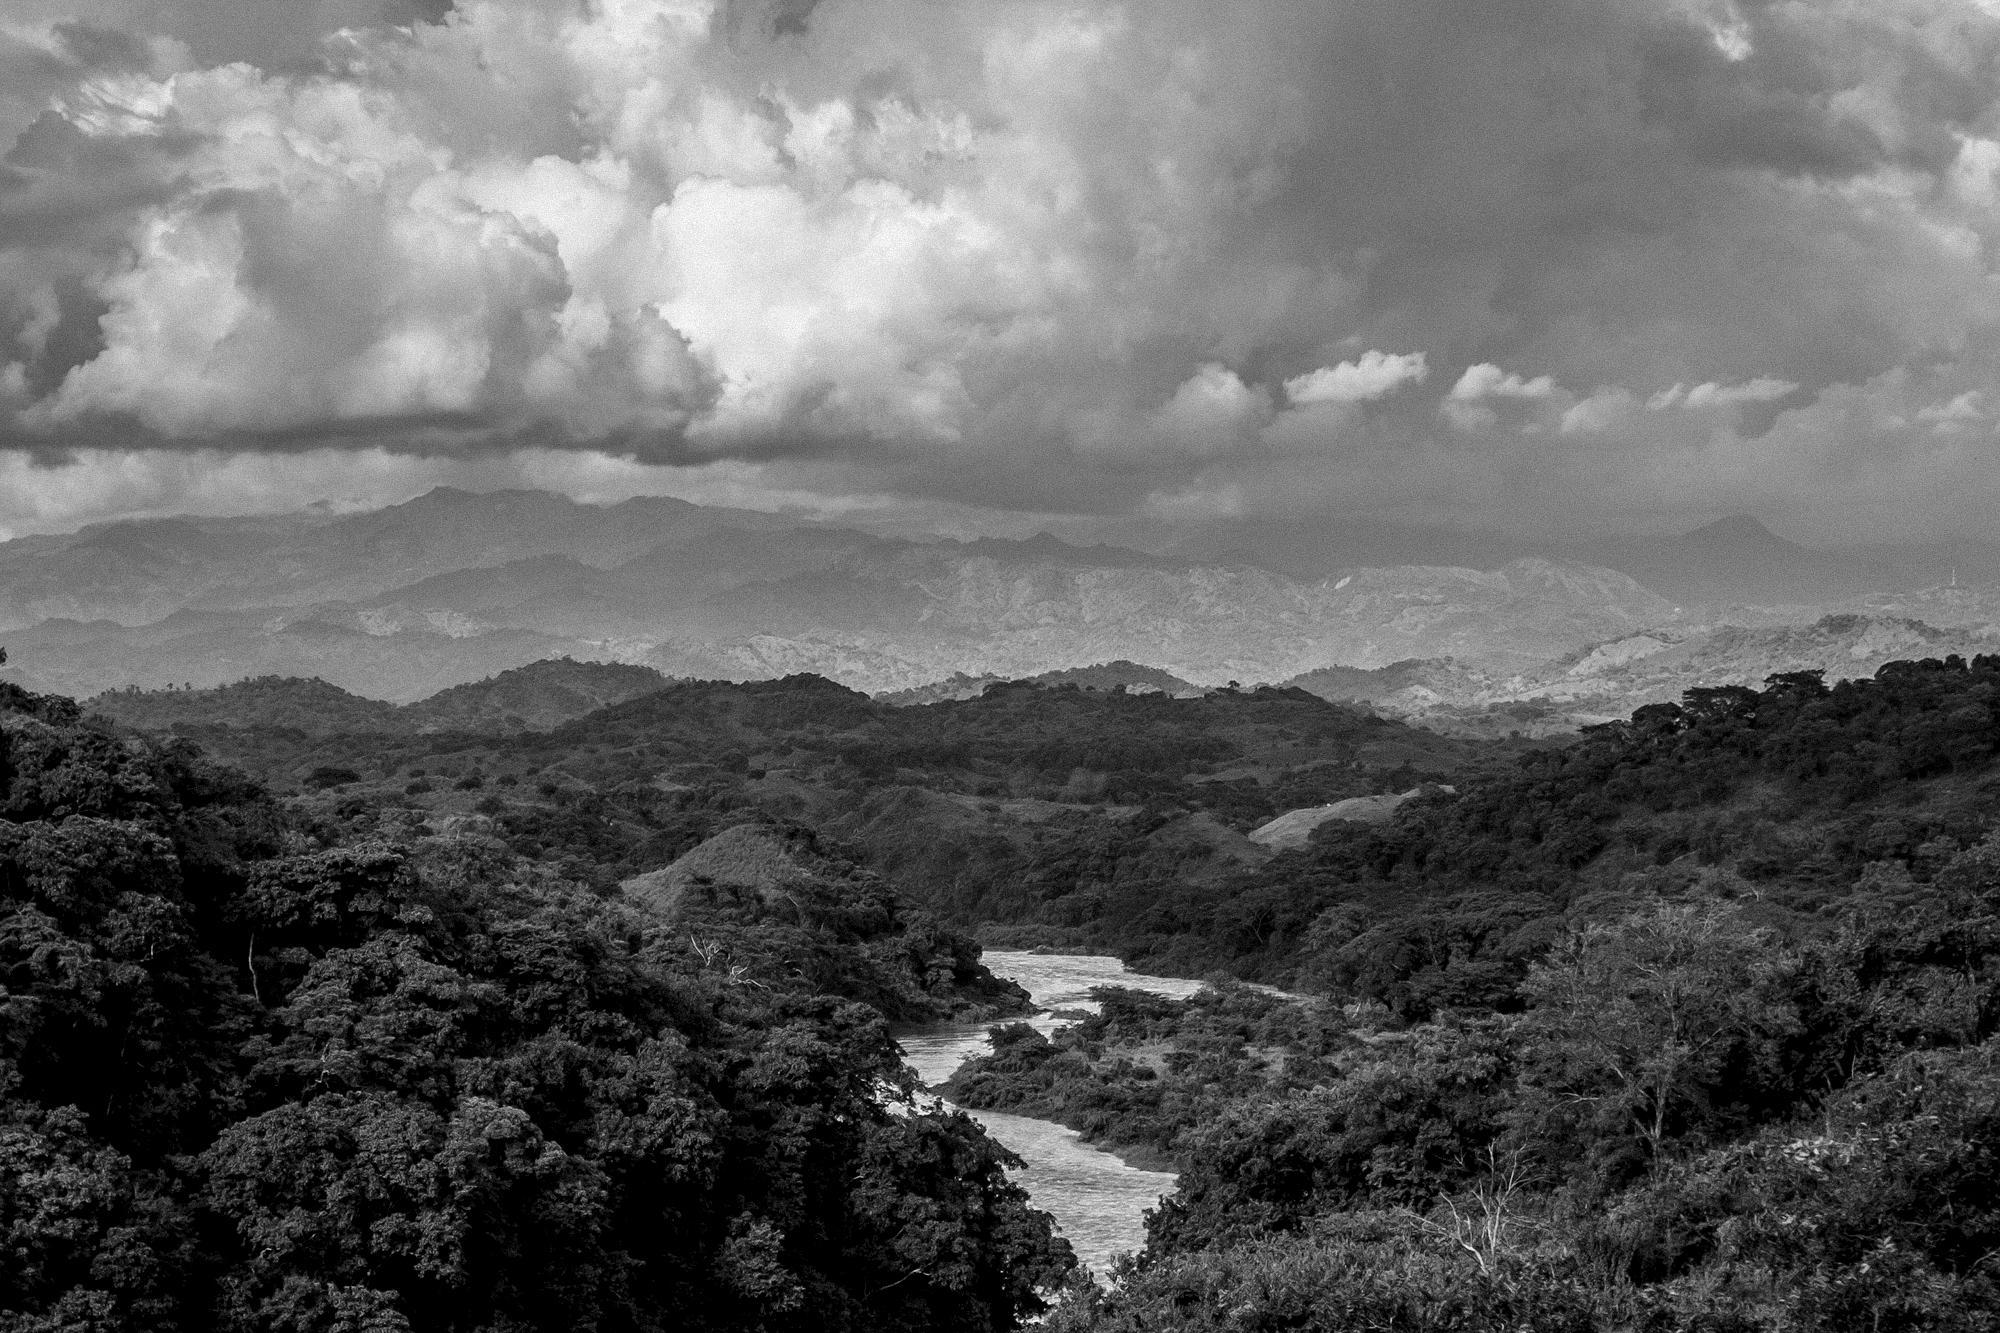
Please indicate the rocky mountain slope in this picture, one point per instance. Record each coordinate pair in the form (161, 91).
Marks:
(1610, 679)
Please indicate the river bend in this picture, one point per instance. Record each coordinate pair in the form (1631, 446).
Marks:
(1097, 1200)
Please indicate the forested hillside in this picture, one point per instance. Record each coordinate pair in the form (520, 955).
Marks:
(1056, 810)
(533, 697)
(1686, 1024)
(260, 1075)
(1116, 820)
(1691, 1025)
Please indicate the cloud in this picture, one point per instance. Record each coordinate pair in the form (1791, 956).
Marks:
(1487, 381)
(1038, 256)
(1375, 375)
(1711, 395)
(1959, 414)
(1603, 410)
(1211, 412)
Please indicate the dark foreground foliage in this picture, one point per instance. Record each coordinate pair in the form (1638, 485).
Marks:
(1689, 1024)
(255, 1080)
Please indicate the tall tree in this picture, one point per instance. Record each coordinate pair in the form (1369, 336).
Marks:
(1643, 1017)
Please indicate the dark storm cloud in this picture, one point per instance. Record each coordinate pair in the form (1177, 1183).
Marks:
(1045, 257)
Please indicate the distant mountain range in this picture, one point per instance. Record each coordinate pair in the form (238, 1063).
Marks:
(400, 603)
(1609, 680)
(1738, 561)
(1732, 562)
(1603, 682)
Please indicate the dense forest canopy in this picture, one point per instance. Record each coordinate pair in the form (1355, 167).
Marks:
(1687, 1023)
(1025, 806)
(257, 1079)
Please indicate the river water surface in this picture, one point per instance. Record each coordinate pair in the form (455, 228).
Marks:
(1098, 1201)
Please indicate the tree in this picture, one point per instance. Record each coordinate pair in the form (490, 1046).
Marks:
(83, 1241)
(1644, 1017)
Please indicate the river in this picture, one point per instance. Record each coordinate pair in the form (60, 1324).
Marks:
(1098, 1201)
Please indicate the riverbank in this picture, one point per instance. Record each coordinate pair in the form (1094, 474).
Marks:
(1098, 1197)
(1137, 1076)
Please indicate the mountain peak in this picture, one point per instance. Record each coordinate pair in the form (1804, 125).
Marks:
(1738, 532)
(441, 495)
(455, 497)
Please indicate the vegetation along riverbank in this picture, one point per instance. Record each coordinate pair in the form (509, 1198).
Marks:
(1685, 1023)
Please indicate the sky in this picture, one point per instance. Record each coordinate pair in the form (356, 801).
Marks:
(1547, 268)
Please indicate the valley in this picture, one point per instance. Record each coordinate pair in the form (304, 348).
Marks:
(364, 923)
(1062, 666)
(1217, 978)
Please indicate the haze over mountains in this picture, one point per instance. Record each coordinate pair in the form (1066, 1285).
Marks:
(1731, 561)
(399, 603)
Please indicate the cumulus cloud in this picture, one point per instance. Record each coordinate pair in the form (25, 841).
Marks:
(1461, 407)
(1603, 410)
(1212, 412)
(1375, 375)
(1102, 257)
(1489, 381)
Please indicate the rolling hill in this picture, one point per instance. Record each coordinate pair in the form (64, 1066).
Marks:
(536, 697)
